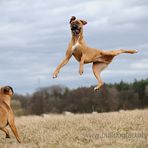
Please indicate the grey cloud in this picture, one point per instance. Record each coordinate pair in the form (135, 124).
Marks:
(35, 33)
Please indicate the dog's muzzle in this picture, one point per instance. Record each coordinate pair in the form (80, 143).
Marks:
(75, 29)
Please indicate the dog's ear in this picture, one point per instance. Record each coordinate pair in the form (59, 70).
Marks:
(83, 22)
(11, 89)
(72, 19)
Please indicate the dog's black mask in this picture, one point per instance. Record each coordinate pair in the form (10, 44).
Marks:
(75, 29)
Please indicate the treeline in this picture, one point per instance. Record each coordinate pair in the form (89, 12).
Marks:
(58, 99)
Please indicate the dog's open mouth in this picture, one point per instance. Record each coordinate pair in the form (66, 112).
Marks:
(76, 31)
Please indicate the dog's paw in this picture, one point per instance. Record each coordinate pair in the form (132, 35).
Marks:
(80, 72)
(98, 87)
(55, 74)
(133, 51)
(19, 140)
(7, 136)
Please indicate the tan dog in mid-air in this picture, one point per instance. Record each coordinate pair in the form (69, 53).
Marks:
(84, 54)
(6, 113)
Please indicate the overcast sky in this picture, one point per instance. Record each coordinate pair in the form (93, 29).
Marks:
(34, 35)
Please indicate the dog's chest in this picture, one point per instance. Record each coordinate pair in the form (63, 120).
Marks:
(76, 51)
(74, 47)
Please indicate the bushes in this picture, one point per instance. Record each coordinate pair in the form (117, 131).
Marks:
(57, 99)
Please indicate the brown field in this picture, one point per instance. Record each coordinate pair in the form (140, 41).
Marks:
(107, 130)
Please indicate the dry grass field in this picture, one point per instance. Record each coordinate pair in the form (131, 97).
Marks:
(107, 130)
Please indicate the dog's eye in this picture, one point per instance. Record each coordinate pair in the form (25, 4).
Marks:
(77, 23)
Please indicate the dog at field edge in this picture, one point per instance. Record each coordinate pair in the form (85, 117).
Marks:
(6, 113)
(84, 54)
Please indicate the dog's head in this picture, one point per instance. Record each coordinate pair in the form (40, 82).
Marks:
(76, 25)
(7, 90)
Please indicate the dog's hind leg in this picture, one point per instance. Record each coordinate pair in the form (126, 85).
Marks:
(116, 52)
(6, 132)
(97, 69)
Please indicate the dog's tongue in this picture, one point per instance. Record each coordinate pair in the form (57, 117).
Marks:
(77, 31)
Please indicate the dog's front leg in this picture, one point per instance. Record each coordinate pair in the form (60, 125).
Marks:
(81, 65)
(13, 127)
(64, 62)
